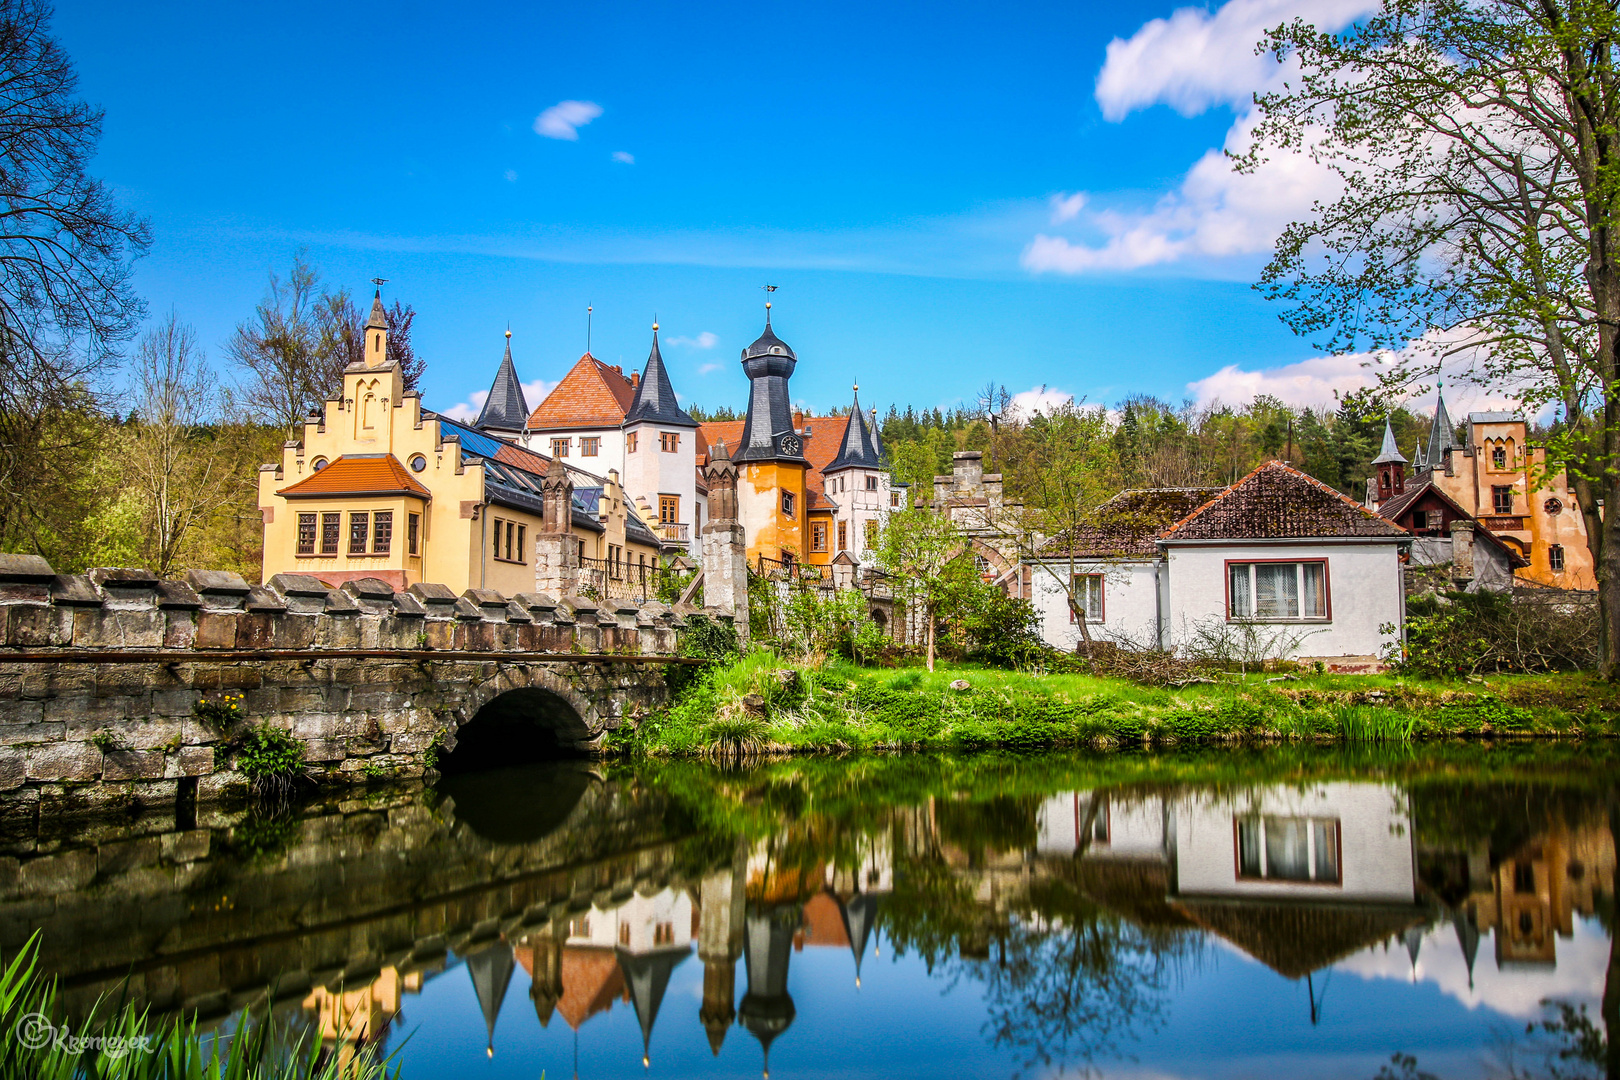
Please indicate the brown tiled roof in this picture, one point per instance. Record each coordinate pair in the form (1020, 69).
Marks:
(1278, 502)
(357, 474)
(592, 394)
(1295, 939)
(1129, 523)
(826, 434)
(1394, 508)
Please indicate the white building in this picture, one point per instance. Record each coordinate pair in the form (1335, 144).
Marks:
(1277, 566)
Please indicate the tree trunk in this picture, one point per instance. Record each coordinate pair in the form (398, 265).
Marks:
(1080, 621)
(930, 612)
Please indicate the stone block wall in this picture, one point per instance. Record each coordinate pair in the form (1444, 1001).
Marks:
(102, 676)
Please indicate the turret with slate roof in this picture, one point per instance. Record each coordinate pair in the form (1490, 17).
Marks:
(655, 400)
(491, 972)
(861, 448)
(1442, 435)
(505, 411)
(768, 363)
(1391, 466)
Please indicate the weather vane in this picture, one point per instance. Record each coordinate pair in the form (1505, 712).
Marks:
(379, 281)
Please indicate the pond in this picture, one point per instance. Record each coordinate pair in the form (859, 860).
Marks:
(1214, 914)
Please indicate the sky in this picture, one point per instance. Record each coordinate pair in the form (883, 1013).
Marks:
(944, 194)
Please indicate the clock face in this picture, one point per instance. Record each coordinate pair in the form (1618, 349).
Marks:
(791, 445)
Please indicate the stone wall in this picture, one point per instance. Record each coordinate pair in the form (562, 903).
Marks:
(107, 679)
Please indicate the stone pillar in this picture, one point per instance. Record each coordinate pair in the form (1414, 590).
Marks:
(556, 550)
(725, 550)
(1462, 551)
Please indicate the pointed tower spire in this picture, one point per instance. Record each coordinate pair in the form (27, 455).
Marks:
(1389, 452)
(861, 447)
(655, 396)
(647, 976)
(505, 411)
(491, 971)
(376, 332)
(1391, 467)
(1442, 433)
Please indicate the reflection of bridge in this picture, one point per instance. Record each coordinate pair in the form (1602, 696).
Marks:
(101, 676)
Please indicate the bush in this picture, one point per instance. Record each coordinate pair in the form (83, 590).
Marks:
(1000, 631)
(1458, 633)
(271, 759)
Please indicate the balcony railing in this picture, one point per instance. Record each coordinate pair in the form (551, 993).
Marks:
(605, 579)
(673, 532)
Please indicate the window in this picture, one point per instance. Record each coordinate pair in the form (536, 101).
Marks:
(418, 463)
(306, 534)
(1088, 594)
(359, 532)
(1420, 520)
(1555, 556)
(615, 562)
(789, 504)
(664, 934)
(331, 530)
(624, 933)
(382, 532)
(1274, 848)
(1502, 499)
(669, 509)
(510, 541)
(413, 531)
(559, 447)
(317, 465)
(669, 441)
(818, 536)
(1499, 458)
(871, 483)
(1277, 590)
(843, 536)
(630, 443)
(871, 534)
(590, 447)
(894, 498)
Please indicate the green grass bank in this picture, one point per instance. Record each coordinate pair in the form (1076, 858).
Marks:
(763, 704)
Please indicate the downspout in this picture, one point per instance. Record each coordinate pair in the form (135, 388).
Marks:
(483, 540)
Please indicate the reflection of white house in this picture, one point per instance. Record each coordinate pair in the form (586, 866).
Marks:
(1297, 878)
(1277, 565)
(651, 935)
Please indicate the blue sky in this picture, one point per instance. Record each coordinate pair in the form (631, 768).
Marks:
(944, 193)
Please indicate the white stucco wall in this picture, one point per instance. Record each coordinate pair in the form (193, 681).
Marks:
(1376, 854)
(855, 505)
(1364, 591)
(650, 472)
(1130, 603)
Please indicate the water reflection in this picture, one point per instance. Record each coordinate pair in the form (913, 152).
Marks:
(1207, 916)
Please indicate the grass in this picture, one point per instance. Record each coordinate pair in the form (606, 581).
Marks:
(127, 1043)
(761, 704)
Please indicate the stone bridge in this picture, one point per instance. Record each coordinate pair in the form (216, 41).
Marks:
(112, 684)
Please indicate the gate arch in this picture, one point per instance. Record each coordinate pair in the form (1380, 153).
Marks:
(520, 712)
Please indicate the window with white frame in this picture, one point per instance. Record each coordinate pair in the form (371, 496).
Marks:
(1088, 596)
(1273, 848)
(1277, 590)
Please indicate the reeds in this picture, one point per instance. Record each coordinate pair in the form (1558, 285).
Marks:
(125, 1042)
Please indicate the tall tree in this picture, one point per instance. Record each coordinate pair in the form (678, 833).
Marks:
(173, 464)
(1477, 148)
(289, 364)
(66, 248)
(917, 548)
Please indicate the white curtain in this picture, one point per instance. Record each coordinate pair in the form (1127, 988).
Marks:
(1314, 577)
(1242, 608)
(1276, 590)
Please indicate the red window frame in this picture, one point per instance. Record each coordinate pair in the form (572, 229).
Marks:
(1327, 590)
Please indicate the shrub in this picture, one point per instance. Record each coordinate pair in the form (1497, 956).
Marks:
(271, 759)
(1459, 633)
(1001, 631)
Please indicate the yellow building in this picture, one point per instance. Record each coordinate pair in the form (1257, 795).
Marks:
(1501, 479)
(380, 487)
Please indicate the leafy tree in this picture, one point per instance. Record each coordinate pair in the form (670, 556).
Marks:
(916, 548)
(1474, 142)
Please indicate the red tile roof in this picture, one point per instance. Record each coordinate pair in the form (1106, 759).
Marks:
(358, 474)
(1278, 502)
(825, 433)
(592, 394)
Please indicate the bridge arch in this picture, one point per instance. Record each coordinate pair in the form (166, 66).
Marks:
(523, 712)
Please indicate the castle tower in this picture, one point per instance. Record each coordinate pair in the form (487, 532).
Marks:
(1391, 468)
(374, 386)
(857, 484)
(505, 412)
(377, 333)
(771, 496)
(661, 472)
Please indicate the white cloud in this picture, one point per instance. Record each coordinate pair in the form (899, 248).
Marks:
(564, 119)
(1067, 207)
(1215, 213)
(467, 411)
(704, 340)
(511, 176)
(1039, 399)
(1194, 59)
(707, 368)
(1313, 382)
(624, 157)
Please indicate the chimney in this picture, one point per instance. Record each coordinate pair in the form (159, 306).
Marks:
(635, 379)
(1462, 550)
(617, 370)
(798, 419)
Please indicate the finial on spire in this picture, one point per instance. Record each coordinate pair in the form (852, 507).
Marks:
(508, 330)
(857, 388)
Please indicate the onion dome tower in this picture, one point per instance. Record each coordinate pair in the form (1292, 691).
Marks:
(768, 433)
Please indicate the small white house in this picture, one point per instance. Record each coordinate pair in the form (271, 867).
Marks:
(1278, 565)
